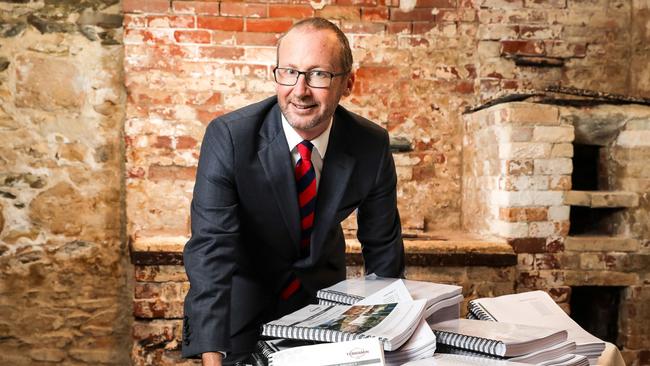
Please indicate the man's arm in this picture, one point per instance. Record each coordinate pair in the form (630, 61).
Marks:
(379, 228)
(209, 255)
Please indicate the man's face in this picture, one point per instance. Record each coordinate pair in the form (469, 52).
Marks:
(307, 109)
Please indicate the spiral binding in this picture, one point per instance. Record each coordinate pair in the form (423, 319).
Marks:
(472, 343)
(338, 297)
(313, 334)
(480, 312)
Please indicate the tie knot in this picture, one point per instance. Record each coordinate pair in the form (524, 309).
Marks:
(304, 149)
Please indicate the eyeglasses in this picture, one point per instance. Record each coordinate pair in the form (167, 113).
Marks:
(314, 78)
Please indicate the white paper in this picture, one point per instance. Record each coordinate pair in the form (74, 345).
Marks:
(367, 352)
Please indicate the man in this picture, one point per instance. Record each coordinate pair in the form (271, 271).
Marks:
(274, 181)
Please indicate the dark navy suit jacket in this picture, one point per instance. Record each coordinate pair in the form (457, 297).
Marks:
(245, 223)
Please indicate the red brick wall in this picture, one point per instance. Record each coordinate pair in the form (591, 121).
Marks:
(420, 63)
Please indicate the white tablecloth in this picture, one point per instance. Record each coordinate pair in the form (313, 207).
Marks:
(611, 356)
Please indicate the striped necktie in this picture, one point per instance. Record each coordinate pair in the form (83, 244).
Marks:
(306, 187)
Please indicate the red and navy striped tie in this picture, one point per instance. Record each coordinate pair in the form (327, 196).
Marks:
(306, 187)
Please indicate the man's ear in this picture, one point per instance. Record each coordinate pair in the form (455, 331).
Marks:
(349, 84)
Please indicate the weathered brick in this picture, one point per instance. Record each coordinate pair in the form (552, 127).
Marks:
(511, 229)
(149, 6)
(290, 11)
(548, 198)
(553, 166)
(555, 134)
(362, 27)
(196, 7)
(220, 23)
(374, 14)
(636, 138)
(523, 48)
(562, 151)
(496, 32)
(417, 14)
(219, 52)
(578, 198)
(542, 229)
(614, 199)
(546, 4)
(523, 183)
(159, 172)
(399, 27)
(190, 36)
(601, 244)
(524, 150)
(268, 25)
(523, 214)
(336, 12)
(170, 21)
(528, 245)
(528, 113)
(518, 167)
(559, 213)
(514, 134)
(243, 9)
(501, 4)
(512, 199)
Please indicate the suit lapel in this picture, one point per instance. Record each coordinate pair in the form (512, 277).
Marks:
(276, 161)
(337, 168)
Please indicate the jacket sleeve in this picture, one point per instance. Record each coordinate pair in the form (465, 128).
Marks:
(209, 256)
(379, 229)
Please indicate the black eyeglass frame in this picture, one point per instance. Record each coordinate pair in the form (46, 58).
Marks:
(307, 78)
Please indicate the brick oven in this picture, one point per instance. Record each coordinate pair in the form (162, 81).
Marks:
(563, 178)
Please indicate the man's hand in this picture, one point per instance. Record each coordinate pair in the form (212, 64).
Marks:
(211, 358)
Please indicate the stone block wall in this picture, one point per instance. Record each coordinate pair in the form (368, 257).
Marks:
(65, 296)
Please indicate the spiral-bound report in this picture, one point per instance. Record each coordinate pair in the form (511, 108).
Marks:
(498, 339)
(392, 324)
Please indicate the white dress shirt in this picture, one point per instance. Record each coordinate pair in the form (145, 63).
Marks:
(318, 152)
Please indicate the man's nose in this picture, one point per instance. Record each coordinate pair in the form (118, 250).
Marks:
(301, 86)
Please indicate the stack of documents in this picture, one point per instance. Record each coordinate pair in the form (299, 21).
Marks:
(389, 314)
(443, 301)
(537, 308)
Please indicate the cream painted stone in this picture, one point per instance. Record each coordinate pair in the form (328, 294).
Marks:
(514, 134)
(635, 138)
(510, 229)
(522, 113)
(614, 199)
(601, 244)
(512, 199)
(577, 198)
(638, 124)
(562, 151)
(541, 229)
(548, 198)
(559, 213)
(553, 166)
(48, 83)
(524, 150)
(553, 134)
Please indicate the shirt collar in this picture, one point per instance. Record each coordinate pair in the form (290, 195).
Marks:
(293, 139)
